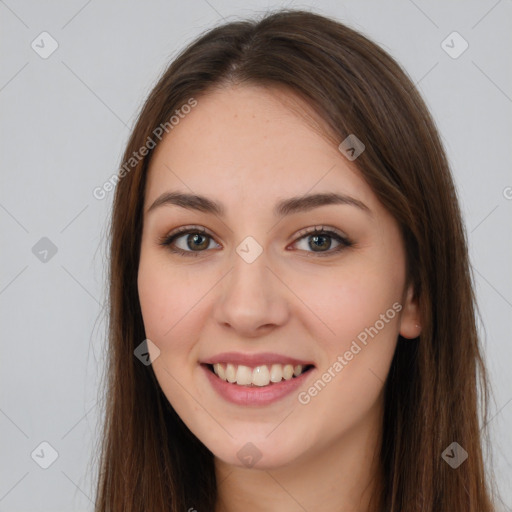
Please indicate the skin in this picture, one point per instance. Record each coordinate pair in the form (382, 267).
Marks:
(247, 148)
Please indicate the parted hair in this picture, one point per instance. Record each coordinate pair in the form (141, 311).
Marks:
(436, 391)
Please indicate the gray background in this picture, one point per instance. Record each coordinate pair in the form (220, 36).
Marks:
(65, 120)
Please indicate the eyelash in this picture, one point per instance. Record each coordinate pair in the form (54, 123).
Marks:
(193, 230)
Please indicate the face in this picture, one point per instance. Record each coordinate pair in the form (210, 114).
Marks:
(296, 305)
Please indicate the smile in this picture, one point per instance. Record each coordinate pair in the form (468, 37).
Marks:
(261, 375)
(257, 379)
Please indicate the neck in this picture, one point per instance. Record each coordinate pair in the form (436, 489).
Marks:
(341, 477)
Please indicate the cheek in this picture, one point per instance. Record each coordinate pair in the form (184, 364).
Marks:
(155, 301)
(163, 297)
(347, 302)
(356, 325)
(164, 304)
(173, 302)
(363, 311)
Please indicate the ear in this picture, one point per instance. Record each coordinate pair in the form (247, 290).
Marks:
(410, 323)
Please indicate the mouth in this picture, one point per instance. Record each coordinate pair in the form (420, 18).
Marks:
(258, 376)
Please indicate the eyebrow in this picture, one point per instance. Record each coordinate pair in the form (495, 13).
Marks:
(282, 208)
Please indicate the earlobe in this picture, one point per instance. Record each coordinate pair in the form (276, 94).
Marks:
(410, 322)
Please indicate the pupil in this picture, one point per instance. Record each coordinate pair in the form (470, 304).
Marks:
(199, 245)
(316, 238)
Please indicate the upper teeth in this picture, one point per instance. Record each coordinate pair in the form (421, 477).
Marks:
(258, 376)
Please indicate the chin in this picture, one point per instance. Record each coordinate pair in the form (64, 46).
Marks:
(257, 450)
(249, 456)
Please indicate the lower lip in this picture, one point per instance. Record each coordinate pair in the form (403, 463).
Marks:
(254, 395)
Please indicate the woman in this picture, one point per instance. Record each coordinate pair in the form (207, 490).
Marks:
(287, 252)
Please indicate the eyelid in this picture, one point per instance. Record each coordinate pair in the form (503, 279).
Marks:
(170, 237)
(332, 232)
(341, 238)
(186, 229)
(319, 228)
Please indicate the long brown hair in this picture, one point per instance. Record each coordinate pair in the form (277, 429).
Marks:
(437, 385)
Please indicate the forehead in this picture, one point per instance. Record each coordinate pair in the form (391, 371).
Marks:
(254, 143)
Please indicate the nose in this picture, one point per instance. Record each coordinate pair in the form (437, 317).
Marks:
(252, 300)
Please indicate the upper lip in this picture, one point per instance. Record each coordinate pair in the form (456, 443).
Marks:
(252, 360)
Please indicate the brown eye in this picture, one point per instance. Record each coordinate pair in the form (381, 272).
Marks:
(194, 241)
(198, 241)
(320, 241)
